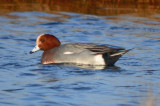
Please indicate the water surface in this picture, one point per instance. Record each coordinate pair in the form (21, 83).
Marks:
(134, 80)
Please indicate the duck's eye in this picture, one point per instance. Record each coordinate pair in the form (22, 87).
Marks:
(42, 40)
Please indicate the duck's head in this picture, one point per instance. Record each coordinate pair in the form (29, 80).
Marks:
(45, 42)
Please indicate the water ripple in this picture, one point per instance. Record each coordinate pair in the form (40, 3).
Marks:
(12, 90)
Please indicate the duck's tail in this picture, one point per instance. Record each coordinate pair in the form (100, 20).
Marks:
(111, 59)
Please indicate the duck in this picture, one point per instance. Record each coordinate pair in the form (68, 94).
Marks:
(76, 53)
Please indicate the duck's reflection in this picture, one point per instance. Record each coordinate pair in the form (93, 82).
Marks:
(50, 76)
(88, 67)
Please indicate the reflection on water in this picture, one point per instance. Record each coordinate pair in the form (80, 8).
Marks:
(134, 80)
(89, 67)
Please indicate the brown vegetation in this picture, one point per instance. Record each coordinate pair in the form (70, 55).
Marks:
(97, 7)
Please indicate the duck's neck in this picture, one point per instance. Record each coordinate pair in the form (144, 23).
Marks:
(48, 57)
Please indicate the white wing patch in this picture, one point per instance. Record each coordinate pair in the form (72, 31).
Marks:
(68, 53)
(115, 54)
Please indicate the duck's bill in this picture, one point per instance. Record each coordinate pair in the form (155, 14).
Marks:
(35, 49)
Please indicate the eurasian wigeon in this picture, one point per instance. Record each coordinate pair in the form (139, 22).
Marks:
(80, 53)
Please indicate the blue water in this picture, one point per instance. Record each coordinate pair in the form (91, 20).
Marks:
(134, 80)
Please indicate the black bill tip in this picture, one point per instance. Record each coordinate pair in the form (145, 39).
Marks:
(31, 52)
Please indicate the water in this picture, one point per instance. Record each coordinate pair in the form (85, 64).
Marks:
(134, 80)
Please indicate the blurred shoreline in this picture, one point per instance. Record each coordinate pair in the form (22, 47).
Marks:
(95, 7)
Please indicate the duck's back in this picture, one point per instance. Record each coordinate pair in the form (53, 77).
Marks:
(87, 53)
